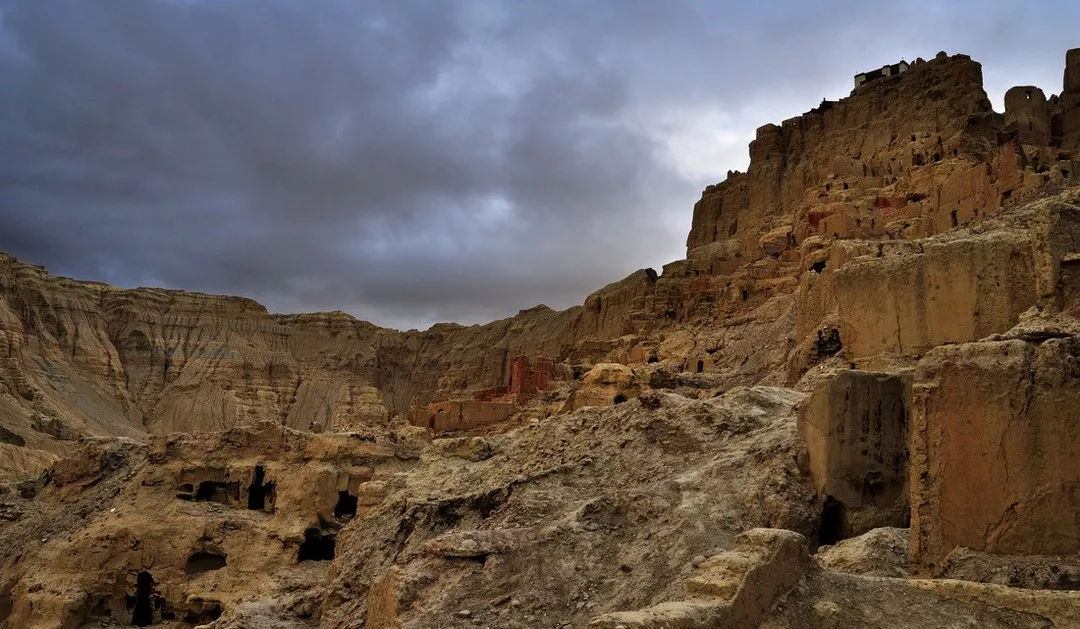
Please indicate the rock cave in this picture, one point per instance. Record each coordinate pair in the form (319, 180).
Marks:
(833, 526)
(317, 546)
(260, 493)
(142, 614)
(346, 505)
(216, 491)
(204, 561)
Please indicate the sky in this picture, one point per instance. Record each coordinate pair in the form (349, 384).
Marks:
(419, 161)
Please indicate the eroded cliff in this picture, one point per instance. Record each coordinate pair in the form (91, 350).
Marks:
(875, 328)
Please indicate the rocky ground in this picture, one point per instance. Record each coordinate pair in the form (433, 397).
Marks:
(548, 524)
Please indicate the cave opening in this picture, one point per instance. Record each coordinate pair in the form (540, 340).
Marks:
(316, 546)
(143, 614)
(832, 521)
(619, 399)
(205, 491)
(260, 492)
(214, 491)
(205, 561)
(346, 505)
(828, 345)
(5, 602)
(818, 266)
(700, 366)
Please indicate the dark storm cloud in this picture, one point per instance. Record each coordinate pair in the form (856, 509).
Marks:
(420, 161)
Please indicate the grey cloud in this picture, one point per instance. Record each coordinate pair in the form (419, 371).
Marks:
(416, 161)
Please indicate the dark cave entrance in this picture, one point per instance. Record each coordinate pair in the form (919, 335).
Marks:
(214, 491)
(700, 366)
(5, 602)
(619, 399)
(828, 345)
(346, 505)
(260, 492)
(832, 521)
(316, 546)
(204, 561)
(205, 491)
(143, 614)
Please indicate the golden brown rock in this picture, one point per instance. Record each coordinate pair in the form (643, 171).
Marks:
(994, 449)
(856, 430)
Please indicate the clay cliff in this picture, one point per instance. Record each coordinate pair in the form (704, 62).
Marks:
(850, 405)
(82, 359)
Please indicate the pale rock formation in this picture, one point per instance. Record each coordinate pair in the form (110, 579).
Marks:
(877, 553)
(994, 444)
(1028, 115)
(856, 430)
(604, 385)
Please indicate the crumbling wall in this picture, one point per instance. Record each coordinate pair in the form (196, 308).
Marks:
(995, 460)
(460, 414)
(1068, 123)
(1027, 113)
(529, 377)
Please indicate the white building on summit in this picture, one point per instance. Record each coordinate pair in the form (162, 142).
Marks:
(883, 71)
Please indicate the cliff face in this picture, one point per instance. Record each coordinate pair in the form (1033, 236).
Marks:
(909, 155)
(903, 158)
(877, 325)
(87, 359)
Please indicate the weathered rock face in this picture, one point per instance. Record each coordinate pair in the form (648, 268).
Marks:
(902, 156)
(849, 167)
(184, 527)
(604, 385)
(940, 291)
(1027, 115)
(87, 359)
(268, 526)
(574, 517)
(996, 450)
(879, 552)
(258, 468)
(1033, 572)
(856, 432)
(830, 222)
